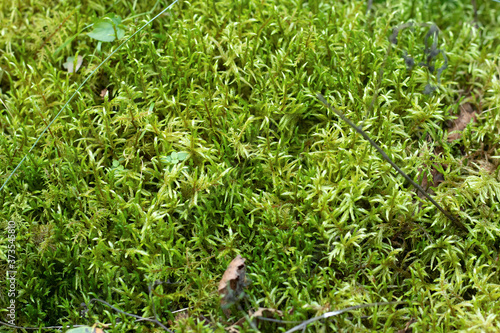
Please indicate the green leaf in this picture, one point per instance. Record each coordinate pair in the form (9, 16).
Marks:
(166, 159)
(181, 156)
(85, 329)
(114, 18)
(107, 28)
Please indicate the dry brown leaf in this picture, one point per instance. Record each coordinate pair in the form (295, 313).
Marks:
(181, 316)
(407, 328)
(467, 114)
(104, 92)
(437, 178)
(486, 166)
(235, 328)
(266, 312)
(233, 282)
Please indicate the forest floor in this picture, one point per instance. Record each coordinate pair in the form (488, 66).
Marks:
(201, 142)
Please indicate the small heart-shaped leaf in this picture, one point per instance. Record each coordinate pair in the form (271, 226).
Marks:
(107, 28)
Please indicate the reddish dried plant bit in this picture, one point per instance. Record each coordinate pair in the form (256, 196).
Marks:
(233, 282)
(466, 115)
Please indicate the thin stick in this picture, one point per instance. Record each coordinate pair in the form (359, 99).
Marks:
(388, 159)
(336, 313)
(131, 314)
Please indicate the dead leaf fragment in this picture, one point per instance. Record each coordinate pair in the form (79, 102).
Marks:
(467, 114)
(266, 312)
(235, 328)
(104, 92)
(407, 328)
(485, 165)
(233, 282)
(69, 64)
(181, 316)
(437, 178)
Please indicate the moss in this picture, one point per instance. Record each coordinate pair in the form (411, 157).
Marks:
(103, 209)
